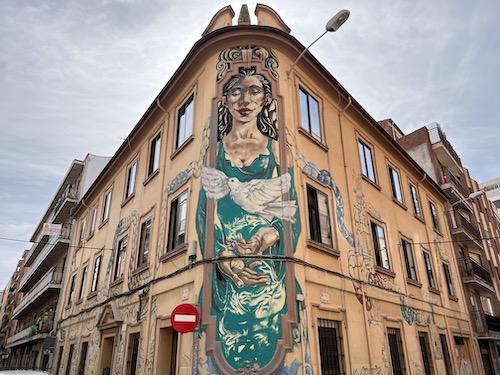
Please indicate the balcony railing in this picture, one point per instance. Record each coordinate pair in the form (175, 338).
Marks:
(483, 322)
(39, 327)
(481, 272)
(460, 222)
(470, 268)
(24, 334)
(449, 177)
(52, 277)
(436, 135)
(70, 192)
(53, 241)
(493, 322)
(42, 240)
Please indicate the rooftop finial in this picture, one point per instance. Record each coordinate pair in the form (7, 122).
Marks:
(244, 18)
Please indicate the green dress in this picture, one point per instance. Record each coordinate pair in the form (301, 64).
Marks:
(248, 317)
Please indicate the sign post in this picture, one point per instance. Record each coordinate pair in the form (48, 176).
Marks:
(185, 318)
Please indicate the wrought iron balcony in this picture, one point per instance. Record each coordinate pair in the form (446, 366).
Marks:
(493, 322)
(484, 323)
(452, 185)
(475, 275)
(465, 231)
(70, 193)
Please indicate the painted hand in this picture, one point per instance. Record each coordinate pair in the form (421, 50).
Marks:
(257, 244)
(242, 274)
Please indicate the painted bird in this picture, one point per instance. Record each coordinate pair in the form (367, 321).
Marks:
(257, 196)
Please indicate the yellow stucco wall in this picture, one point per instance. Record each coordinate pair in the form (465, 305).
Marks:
(332, 280)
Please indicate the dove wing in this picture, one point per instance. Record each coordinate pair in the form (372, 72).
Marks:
(259, 193)
(214, 182)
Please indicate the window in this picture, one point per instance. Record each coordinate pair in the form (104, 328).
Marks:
(395, 185)
(411, 271)
(71, 289)
(82, 285)
(309, 113)
(319, 217)
(449, 283)
(93, 220)
(130, 187)
(487, 305)
(380, 246)
(428, 268)
(95, 275)
(330, 347)
(435, 220)
(154, 154)
(105, 207)
(133, 352)
(185, 121)
(365, 153)
(145, 242)
(446, 354)
(426, 353)
(121, 252)
(396, 349)
(416, 203)
(82, 233)
(177, 228)
(59, 359)
(70, 359)
(83, 358)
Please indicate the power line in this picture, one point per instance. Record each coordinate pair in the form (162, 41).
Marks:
(216, 260)
(104, 248)
(45, 243)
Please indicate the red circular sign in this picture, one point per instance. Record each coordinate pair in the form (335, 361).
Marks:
(185, 318)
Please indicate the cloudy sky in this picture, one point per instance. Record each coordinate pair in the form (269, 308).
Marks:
(76, 76)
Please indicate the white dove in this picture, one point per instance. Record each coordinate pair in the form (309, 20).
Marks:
(262, 197)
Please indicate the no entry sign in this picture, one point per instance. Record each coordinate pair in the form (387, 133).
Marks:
(185, 318)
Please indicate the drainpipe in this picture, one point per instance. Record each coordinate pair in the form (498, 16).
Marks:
(349, 103)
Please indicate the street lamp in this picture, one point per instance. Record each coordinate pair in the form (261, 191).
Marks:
(331, 26)
(472, 195)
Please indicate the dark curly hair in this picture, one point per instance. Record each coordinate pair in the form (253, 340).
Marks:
(267, 119)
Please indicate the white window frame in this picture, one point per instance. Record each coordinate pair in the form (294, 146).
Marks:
(366, 160)
(310, 113)
(185, 121)
(130, 181)
(106, 205)
(154, 154)
(177, 224)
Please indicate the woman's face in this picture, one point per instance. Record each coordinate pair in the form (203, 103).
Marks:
(246, 99)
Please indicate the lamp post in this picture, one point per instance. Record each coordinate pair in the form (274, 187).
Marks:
(331, 26)
(472, 195)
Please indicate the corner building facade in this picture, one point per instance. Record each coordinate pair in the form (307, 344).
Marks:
(309, 241)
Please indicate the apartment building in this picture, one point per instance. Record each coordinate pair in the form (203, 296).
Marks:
(269, 199)
(31, 345)
(474, 225)
(9, 301)
(492, 189)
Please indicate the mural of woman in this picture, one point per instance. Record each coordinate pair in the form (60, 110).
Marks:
(248, 296)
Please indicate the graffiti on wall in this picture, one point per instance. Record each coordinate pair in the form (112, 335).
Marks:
(412, 315)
